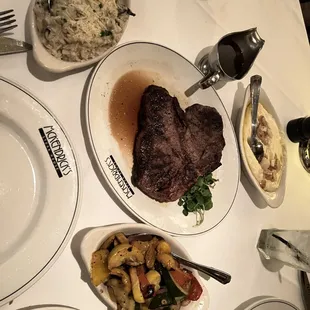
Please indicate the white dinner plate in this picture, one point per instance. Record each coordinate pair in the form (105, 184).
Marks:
(271, 303)
(43, 307)
(96, 236)
(39, 190)
(169, 69)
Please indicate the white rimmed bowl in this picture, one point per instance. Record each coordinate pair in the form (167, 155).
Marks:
(94, 238)
(276, 198)
(48, 61)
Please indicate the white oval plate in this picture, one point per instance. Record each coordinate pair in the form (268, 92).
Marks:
(177, 74)
(48, 61)
(39, 190)
(275, 199)
(271, 303)
(94, 238)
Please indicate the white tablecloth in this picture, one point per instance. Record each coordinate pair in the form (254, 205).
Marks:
(188, 26)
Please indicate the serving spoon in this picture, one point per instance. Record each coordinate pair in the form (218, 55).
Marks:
(216, 274)
(49, 5)
(255, 145)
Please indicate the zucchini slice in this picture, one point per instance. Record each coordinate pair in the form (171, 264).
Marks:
(161, 300)
(174, 289)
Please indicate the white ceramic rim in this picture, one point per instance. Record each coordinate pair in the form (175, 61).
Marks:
(71, 228)
(88, 127)
(270, 300)
(53, 64)
(272, 202)
(106, 231)
(51, 307)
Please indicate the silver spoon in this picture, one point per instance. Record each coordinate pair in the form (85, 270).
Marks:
(49, 5)
(256, 146)
(216, 274)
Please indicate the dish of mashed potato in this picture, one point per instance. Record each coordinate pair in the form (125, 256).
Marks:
(269, 171)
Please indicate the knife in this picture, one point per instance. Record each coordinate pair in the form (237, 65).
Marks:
(12, 46)
(305, 287)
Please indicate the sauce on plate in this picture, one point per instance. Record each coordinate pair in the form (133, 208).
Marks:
(124, 108)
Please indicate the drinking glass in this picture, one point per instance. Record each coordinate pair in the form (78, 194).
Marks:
(292, 247)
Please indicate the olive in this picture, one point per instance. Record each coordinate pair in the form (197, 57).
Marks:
(149, 291)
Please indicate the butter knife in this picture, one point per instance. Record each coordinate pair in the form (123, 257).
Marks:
(305, 287)
(12, 46)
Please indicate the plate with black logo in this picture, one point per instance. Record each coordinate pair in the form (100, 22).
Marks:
(39, 190)
(112, 107)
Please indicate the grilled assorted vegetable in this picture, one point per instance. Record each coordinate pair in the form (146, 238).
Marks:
(142, 275)
(99, 265)
(154, 278)
(136, 289)
(125, 253)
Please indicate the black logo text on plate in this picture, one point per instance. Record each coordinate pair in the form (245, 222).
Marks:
(119, 177)
(55, 150)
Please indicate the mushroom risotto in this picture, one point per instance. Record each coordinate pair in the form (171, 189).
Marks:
(79, 30)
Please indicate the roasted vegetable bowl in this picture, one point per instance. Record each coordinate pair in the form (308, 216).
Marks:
(132, 273)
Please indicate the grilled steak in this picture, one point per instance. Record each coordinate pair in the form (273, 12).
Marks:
(204, 142)
(173, 147)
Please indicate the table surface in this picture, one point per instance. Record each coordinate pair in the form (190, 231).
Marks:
(188, 26)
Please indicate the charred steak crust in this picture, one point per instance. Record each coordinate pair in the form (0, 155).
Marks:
(172, 147)
(206, 137)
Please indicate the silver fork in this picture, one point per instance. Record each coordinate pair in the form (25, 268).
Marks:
(216, 274)
(6, 21)
(49, 5)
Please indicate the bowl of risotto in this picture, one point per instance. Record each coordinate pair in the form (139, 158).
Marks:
(76, 33)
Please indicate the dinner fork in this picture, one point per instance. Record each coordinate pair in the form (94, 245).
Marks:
(6, 21)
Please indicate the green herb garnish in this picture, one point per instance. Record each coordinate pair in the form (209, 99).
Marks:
(198, 198)
(105, 33)
(100, 5)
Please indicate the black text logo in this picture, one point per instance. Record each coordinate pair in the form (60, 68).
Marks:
(55, 151)
(118, 176)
